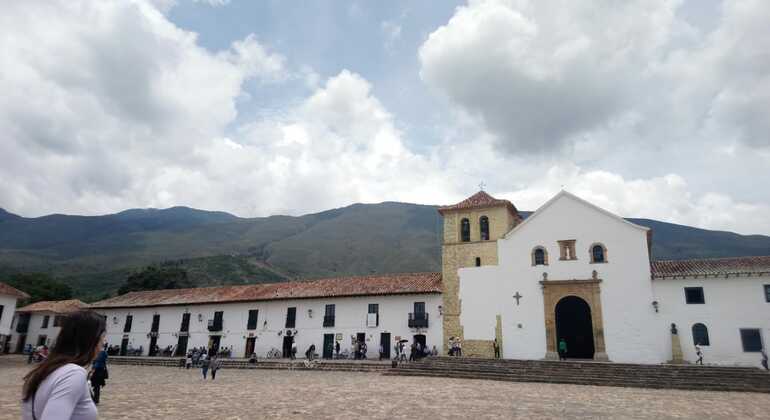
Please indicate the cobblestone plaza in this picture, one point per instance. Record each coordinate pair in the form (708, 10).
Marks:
(140, 392)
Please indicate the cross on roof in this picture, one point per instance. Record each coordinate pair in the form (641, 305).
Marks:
(482, 185)
(517, 296)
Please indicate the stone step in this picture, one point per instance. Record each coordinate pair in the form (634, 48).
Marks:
(690, 385)
(581, 364)
(242, 364)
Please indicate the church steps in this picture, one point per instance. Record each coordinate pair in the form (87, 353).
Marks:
(350, 366)
(593, 373)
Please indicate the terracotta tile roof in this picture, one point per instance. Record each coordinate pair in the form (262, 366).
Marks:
(386, 284)
(712, 267)
(12, 291)
(479, 200)
(55, 306)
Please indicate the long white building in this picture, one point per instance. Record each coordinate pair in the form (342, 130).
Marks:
(8, 299)
(377, 310)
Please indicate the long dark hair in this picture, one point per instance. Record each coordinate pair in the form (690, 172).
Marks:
(79, 335)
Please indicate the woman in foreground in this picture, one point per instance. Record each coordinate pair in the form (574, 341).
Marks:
(58, 387)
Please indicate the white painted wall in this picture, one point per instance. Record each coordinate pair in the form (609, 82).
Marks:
(35, 330)
(731, 304)
(633, 331)
(9, 307)
(350, 318)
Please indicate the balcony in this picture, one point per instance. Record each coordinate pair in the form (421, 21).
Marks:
(215, 325)
(328, 321)
(418, 320)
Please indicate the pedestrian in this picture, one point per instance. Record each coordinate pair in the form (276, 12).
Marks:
(57, 388)
(363, 350)
(99, 374)
(764, 358)
(382, 351)
(411, 352)
(434, 352)
(253, 359)
(293, 352)
(215, 365)
(497, 349)
(357, 350)
(698, 353)
(189, 361)
(562, 349)
(310, 352)
(204, 365)
(459, 347)
(337, 349)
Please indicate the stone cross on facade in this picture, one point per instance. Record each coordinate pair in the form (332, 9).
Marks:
(517, 296)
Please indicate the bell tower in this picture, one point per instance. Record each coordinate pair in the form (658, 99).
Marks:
(471, 230)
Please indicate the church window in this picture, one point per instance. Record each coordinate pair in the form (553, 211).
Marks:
(465, 230)
(598, 254)
(484, 227)
(567, 250)
(751, 339)
(700, 335)
(694, 295)
(478, 261)
(539, 256)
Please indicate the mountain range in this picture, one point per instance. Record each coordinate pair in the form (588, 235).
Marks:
(95, 254)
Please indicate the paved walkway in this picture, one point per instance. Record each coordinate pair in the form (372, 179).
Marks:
(143, 392)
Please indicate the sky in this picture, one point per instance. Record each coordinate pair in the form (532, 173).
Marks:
(656, 109)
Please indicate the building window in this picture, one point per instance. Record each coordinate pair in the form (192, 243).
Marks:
(373, 315)
(329, 316)
(767, 293)
(185, 327)
(567, 250)
(478, 261)
(694, 295)
(126, 327)
(484, 228)
(291, 317)
(598, 254)
(57, 319)
(45, 321)
(418, 318)
(539, 256)
(465, 230)
(751, 340)
(251, 324)
(700, 335)
(155, 323)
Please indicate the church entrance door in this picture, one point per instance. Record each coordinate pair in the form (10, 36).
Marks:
(573, 324)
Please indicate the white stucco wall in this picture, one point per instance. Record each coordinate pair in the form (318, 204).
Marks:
(633, 332)
(731, 304)
(35, 330)
(9, 307)
(350, 318)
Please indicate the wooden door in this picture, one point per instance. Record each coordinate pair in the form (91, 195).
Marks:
(328, 350)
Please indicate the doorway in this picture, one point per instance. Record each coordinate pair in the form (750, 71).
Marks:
(124, 346)
(420, 339)
(385, 344)
(181, 345)
(573, 324)
(214, 341)
(250, 344)
(328, 349)
(21, 343)
(288, 340)
(41, 339)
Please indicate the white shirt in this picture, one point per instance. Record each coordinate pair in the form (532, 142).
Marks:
(63, 395)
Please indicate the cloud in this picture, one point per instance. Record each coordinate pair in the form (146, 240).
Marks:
(543, 76)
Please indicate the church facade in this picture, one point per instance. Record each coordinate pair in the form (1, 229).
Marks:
(576, 272)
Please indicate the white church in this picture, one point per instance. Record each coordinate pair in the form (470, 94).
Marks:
(570, 271)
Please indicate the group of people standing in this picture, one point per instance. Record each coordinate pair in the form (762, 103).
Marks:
(455, 347)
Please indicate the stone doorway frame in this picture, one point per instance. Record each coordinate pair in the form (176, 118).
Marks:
(588, 290)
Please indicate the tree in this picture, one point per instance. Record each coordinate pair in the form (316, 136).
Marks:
(39, 286)
(156, 278)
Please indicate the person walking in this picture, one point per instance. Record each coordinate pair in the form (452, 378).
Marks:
(699, 353)
(562, 349)
(764, 359)
(204, 365)
(496, 348)
(99, 375)
(337, 349)
(293, 352)
(57, 388)
(189, 361)
(215, 365)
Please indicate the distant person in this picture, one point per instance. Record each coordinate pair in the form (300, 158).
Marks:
(337, 349)
(216, 364)
(764, 358)
(310, 353)
(562, 349)
(57, 389)
(496, 347)
(434, 352)
(204, 365)
(699, 353)
(293, 351)
(99, 374)
(188, 361)
(253, 359)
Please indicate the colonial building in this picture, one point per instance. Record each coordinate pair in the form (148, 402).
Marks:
(38, 324)
(576, 272)
(377, 310)
(8, 299)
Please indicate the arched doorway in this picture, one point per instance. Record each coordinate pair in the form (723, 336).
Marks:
(573, 323)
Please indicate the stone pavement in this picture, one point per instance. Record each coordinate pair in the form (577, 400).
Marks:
(144, 392)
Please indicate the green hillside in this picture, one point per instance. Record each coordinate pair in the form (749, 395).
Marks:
(95, 254)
